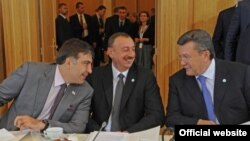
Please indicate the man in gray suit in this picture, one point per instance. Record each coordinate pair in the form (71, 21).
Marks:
(33, 87)
(207, 90)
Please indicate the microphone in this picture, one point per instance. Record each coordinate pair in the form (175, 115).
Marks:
(104, 124)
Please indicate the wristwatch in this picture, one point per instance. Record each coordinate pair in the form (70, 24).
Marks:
(46, 123)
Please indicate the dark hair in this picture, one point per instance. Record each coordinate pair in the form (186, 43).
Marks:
(115, 35)
(144, 12)
(122, 7)
(60, 5)
(101, 7)
(201, 38)
(72, 48)
(116, 9)
(78, 4)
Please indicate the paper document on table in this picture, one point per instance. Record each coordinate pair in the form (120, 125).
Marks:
(108, 136)
(5, 135)
(245, 123)
(146, 135)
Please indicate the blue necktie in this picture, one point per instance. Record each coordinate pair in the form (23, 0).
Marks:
(207, 98)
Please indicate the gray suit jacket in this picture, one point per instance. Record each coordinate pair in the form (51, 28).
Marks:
(29, 87)
(231, 96)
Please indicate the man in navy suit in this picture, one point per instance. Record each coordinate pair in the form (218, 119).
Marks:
(118, 24)
(220, 31)
(227, 86)
(63, 28)
(140, 105)
(239, 23)
(82, 24)
(98, 29)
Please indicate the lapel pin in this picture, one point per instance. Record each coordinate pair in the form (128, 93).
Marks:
(73, 92)
(224, 80)
(132, 80)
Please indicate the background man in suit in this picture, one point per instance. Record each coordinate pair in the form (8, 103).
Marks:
(120, 24)
(239, 23)
(34, 88)
(82, 24)
(225, 96)
(220, 31)
(140, 105)
(98, 24)
(63, 28)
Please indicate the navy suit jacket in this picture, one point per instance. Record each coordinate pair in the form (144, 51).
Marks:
(231, 96)
(63, 31)
(239, 23)
(141, 106)
(220, 31)
(78, 29)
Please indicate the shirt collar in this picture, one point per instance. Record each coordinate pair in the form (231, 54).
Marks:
(117, 72)
(63, 16)
(210, 72)
(58, 80)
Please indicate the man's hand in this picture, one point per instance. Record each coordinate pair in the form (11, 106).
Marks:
(205, 122)
(28, 122)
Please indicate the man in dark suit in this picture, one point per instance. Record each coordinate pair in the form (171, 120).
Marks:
(239, 23)
(98, 28)
(207, 91)
(81, 24)
(120, 24)
(220, 31)
(140, 105)
(36, 87)
(63, 28)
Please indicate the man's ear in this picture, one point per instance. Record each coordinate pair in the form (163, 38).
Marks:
(110, 52)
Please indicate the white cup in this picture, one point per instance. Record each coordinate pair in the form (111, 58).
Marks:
(53, 132)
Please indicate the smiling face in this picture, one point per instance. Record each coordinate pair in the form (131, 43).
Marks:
(78, 69)
(195, 62)
(122, 53)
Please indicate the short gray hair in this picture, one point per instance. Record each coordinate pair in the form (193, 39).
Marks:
(201, 38)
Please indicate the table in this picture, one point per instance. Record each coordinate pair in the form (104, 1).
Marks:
(80, 137)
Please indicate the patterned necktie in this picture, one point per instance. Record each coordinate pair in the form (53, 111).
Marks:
(207, 98)
(57, 100)
(115, 126)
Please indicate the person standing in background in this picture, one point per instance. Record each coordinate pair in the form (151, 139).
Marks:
(82, 25)
(63, 28)
(220, 31)
(98, 28)
(238, 28)
(144, 40)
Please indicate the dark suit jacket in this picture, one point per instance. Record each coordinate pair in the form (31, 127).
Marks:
(63, 31)
(239, 23)
(141, 106)
(220, 31)
(78, 29)
(29, 87)
(149, 33)
(231, 98)
(112, 26)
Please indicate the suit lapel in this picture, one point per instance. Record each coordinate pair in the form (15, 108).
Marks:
(129, 85)
(71, 93)
(220, 85)
(107, 82)
(44, 84)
